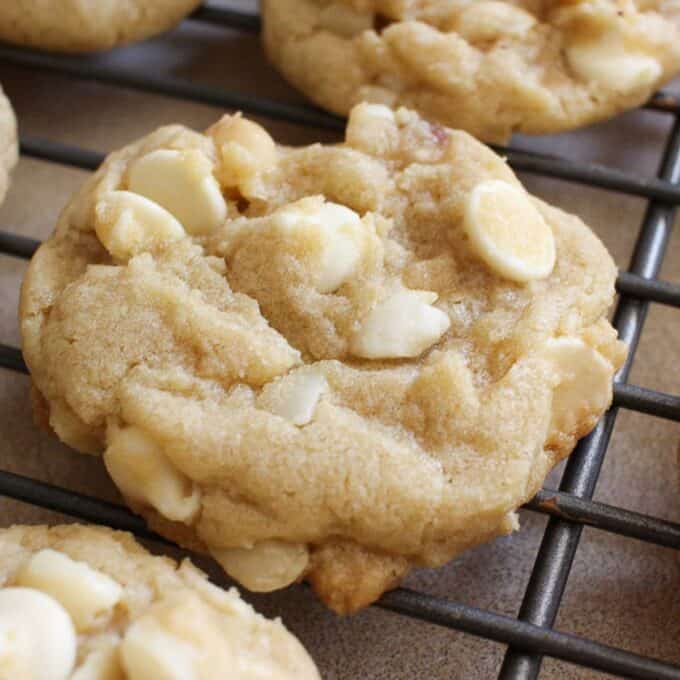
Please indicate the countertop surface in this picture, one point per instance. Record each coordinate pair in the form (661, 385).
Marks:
(621, 591)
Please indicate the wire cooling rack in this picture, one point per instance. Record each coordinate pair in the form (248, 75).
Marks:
(531, 635)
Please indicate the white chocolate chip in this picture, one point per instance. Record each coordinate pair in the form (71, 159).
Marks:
(483, 21)
(607, 62)
(267, 566)
(143, 473)
(340, 233)
(245, 148)
(148, 651)
(585, 382)
(345, 21)
(101, 664)
(88, 595)
(584, 17)
(296, 395)
(507, 232)
(128, 224)
(375, 112)
(182, 182)
(372, 127)
(247, 134)
(403, 325)
(37, 638)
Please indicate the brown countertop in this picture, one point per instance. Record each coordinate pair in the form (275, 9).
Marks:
(621, 591)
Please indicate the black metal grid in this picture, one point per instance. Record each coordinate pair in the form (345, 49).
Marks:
(530, 636)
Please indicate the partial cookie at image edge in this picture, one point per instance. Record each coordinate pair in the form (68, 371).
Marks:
(89, 25)
(84, 602)
(489, 67)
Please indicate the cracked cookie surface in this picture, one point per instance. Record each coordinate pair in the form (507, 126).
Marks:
(488, 67)
(331, 363)
(87, 25)
(88, 603)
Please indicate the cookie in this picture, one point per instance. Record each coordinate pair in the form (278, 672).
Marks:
(491, 68)
(9, 146)
(330, 363)
(87, 25)
(88, 603)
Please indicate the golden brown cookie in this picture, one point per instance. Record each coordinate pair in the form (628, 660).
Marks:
(330, 363)
(88, 25)
(491, 68)
(87, 603)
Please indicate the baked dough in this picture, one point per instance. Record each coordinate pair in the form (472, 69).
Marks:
(332, 362)
(88, 25)
(88, 603)
(491, 68)
(9, 147)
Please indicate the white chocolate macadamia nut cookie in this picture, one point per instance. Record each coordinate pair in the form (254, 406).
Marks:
(330, 363)
(87, 25)
(485, 66)
(87, 603)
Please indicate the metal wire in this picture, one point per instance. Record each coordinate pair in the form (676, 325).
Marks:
(98, 70)
(230, 18)
(571, 507)
(435, 610)
(665, 102)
